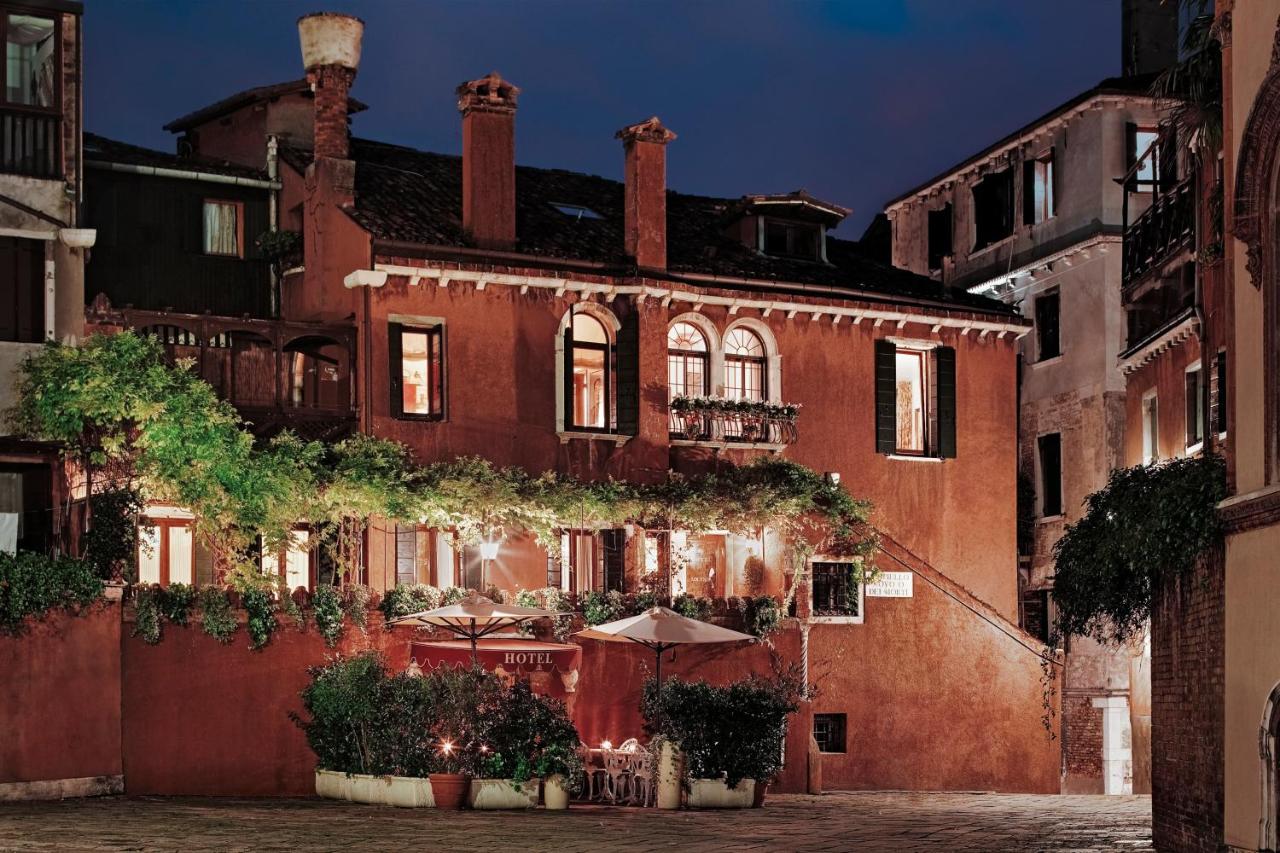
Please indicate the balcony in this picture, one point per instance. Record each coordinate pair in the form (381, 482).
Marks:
(1164, 229)
(278, 374)
(30, 142)
(728, 422)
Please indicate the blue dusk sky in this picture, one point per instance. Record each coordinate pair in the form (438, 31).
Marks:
(854, 101)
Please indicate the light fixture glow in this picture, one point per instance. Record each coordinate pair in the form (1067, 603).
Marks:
(489, 550)
(604, 744)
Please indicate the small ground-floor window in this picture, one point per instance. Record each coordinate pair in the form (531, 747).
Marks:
(829, 732)
(836, 590)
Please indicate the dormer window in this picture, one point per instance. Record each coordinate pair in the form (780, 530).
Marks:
(792, 239)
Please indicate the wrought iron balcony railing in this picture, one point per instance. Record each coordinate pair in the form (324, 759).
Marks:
(693, 419)
(1163, 229)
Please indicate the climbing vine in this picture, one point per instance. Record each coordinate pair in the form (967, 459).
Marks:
(1149, 524)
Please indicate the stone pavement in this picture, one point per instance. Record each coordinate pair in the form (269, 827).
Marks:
(990, 823)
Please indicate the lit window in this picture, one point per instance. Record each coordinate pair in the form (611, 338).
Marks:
(744, 365)
(687, 361)
(1149, 157)
(576, 211)
(911, 421)
(222, 228)
(1150, 428)
(589, 357)
(31, 60)
(1037, 190)
(1195, 407)
(417, 371)
(166, 551)
(829, 732)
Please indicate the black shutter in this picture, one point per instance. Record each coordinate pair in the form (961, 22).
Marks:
(569, 422)
(1167, 161)
(613, 545)
(628, 355)
(945, 379)
(1028, 192)
(1056, 181)
(396, 368)
(29, 279)
(886, 397)
(1130, 151)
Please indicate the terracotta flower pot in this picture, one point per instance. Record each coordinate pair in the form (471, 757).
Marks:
(449, 789)
(757, 799)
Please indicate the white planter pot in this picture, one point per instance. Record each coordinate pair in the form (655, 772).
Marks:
(670, 772)
(502, 794)
(364, 788)
(407, 793)
(555, 796)
(716, 794)
(401, 791)
(332, 785)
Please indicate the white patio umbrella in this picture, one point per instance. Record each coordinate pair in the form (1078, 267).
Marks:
(660, 629)
(472, 618)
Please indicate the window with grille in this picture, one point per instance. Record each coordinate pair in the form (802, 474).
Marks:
(829, 732)
(687, 361)
(835, 590)
(744, 365)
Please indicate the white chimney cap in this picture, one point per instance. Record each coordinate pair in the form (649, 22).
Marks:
(330, 38)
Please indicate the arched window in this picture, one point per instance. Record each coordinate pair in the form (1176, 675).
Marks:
(588, 378)
(688, 361)
(745, 365)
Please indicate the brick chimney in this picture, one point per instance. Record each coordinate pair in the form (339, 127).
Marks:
(331, 56)
(488, 108)
(645, 222)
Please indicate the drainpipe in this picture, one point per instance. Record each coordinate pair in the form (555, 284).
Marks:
(273, 213)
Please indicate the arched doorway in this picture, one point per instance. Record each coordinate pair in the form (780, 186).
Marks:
(1268, 737)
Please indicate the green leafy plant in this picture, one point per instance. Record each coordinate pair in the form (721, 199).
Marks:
(341, 702)
(110, 543)
(217, 617)
(1148, 525)
(32, 584)
(403, 599)
(175, 602)
(761, 615)
(355, 604)
(147, 622)
(260, 607)
(598, 607)
(523, 735)
(327, 607)
(732, 732)
(692, 606)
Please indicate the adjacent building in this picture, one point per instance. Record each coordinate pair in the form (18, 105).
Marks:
(1037, 220)
(42, 242)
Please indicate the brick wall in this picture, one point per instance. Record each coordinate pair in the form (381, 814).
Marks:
(1187, 648)
(1082, 738)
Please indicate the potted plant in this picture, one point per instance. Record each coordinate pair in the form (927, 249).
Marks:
(523, 736)
(730, 736)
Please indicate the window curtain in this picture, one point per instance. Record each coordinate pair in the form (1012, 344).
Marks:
(30, 56)
(220, 229)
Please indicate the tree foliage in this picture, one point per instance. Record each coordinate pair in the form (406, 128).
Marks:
(1148, 525)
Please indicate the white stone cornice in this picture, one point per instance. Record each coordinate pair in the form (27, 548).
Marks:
(1171, 337)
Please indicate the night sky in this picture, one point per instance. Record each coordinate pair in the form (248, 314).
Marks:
(855, 101)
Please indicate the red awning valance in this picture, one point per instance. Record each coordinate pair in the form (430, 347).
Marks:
(511, 655)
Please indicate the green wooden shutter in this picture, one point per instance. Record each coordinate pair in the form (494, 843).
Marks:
(945, 380)
(886, 376)
(394, 359)
(627, 350)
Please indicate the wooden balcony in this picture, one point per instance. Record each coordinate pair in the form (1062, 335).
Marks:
(1164, 229)
(30, 142)
(278, 374)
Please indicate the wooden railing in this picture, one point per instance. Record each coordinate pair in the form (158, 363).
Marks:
(278, 374)
(30, 143)
(1163, 229)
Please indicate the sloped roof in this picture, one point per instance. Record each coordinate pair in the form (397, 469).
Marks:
(406, 195)
(1135, 85)
(248, 96)
(101, 149)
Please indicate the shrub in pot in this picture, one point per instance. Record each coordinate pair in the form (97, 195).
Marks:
(727, 733)
(524, 737)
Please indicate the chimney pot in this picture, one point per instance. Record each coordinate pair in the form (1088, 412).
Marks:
(488, 107)
(645, 199)
(331, 56)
